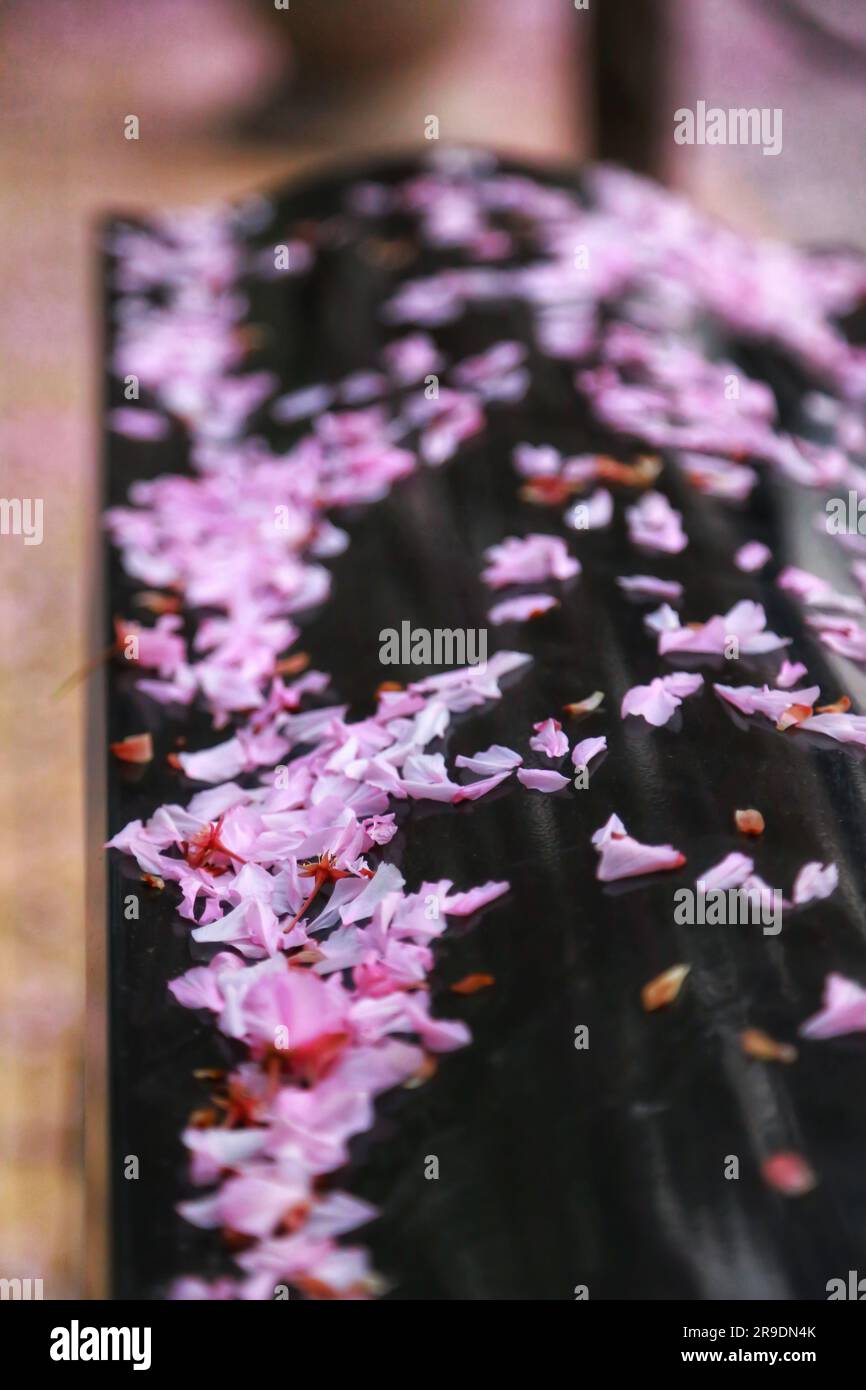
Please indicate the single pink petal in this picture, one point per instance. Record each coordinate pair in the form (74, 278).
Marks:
(613, 829)
(494, 759)
(540, 780)
(536, 460)
(653, 523)
(587, 749)
(620, 856)
(814, 882)
(471, 791)
(593, 514)
(844, 728)
(531, 559)
(522, 609)
(647, 585)
(138, 424)
(463, 904)
(549, 739)
(843, 1010)
(789, 673)
(730, 872)
(752, 556)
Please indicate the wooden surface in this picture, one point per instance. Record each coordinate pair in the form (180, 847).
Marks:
(71, 74)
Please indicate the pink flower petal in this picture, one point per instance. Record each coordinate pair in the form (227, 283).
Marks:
(549, 739)
(843, 1010)
(789, 673)
(540, 780)
(620, 856)
(588, 748)
(494, 759)
(658, 701)
(530, 560)
(647, 585)
(752, 556)
(653, 523)
(522, 609)
(815, 882)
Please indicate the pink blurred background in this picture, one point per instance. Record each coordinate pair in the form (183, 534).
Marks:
(233, 95)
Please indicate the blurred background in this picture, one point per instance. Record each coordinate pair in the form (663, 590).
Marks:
(232, 95)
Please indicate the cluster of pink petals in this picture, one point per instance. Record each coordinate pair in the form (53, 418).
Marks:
(746, 622)
(328, 995)
(753, 699)
(813, 883)
(621, 856)
(332, 989)
(658, 701)
(278, 983)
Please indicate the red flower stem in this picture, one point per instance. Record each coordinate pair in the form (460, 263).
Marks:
(321, 875)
